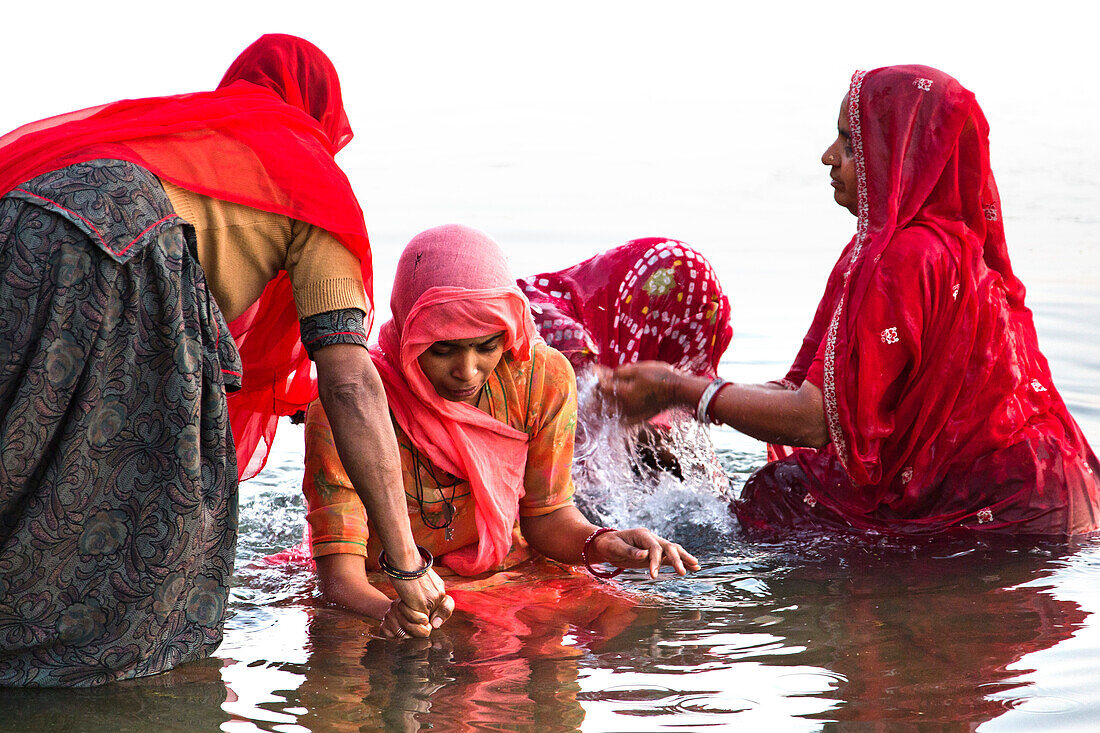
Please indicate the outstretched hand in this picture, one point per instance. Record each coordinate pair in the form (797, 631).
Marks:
(641, 390)
(640, 548)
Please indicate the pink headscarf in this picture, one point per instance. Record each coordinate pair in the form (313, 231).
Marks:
(452, 282)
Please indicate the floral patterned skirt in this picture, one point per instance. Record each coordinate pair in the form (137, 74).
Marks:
(118, 480)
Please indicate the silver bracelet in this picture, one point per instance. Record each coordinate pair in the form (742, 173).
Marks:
(703, 408)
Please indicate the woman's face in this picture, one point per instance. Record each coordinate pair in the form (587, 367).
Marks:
(842, 164)
(458, 369)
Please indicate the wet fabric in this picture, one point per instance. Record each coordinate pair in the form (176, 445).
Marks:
(940, 406)
(118, 479)
(648, 299)
(452, 282)
(278, 117)
(535, 397)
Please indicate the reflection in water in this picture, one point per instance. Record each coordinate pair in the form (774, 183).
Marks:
(509, 660)
(798, 635)
(193, 693)
(922, 633)
(806, 634)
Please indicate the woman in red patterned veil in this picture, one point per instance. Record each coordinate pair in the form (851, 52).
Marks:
(920, 397)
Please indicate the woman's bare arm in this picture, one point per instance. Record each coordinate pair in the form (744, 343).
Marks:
(765, 412)
(560, 535)
(355, 401)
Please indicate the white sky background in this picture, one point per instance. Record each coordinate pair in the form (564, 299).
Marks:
(564, 128)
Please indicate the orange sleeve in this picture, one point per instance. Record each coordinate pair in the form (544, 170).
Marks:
(552, 425)
(337, 519)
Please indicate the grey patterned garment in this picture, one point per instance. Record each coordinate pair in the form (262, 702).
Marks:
(118, 479)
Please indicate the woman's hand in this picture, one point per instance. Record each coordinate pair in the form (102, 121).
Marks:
(400, 622)
(425, 600)
(641, 390)
(639, 548)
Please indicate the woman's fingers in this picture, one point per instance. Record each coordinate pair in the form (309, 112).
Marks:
(402, 622)
(635, 548)
(427, 596)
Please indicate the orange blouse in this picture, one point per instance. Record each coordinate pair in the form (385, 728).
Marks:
(538, 397)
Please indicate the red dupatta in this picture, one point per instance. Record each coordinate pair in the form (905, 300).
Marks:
(265, 138)
(940, 406)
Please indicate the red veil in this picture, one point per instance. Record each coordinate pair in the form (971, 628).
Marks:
(650, 298)
(265, 138)
(940, 406)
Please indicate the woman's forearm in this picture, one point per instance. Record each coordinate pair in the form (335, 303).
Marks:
(559, 535)
(788, 417)
(781, 416)
(343, 581)
(355, 402)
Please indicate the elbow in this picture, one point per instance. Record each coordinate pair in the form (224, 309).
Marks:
(350, 389)
(811, 430)
(817, 437)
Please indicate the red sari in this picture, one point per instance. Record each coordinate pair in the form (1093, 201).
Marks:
(265, 138)
(940, 406)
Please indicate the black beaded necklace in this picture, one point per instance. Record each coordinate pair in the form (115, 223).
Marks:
(448, 503)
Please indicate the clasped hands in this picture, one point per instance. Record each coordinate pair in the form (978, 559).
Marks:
(421, 607)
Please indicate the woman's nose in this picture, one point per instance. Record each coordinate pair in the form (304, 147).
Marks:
(465, 365)
(829, 156)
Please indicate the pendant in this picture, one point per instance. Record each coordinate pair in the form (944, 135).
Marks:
(449, 533)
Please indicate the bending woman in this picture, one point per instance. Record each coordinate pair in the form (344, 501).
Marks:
(648, 299)
(919, 394)
(484, 413)
(130, 234)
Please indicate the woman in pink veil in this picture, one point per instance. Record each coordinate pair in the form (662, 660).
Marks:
(484, 412)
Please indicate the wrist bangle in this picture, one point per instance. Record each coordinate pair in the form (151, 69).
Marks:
(702, 410)
(396, 574)
(601, 574)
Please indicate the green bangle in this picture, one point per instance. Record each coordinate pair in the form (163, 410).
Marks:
(397, 574)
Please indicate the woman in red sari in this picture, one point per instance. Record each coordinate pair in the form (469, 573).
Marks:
(920, 397)
(130, 235)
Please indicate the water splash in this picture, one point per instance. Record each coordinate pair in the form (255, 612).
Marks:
(669, 480)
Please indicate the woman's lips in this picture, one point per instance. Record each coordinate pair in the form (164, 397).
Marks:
(464, 393)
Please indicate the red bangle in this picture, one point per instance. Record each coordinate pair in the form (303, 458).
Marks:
(601, 574)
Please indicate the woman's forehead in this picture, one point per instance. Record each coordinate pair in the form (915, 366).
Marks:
(473, 341)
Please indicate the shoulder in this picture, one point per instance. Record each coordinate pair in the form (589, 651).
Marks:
(918, 250)
(544, 385)
(919, 243)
